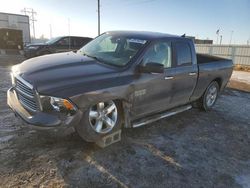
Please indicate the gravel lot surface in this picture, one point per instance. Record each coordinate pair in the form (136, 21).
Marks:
(192, 149)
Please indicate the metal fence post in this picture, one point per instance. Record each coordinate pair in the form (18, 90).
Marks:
(233, 54)
(211, 50)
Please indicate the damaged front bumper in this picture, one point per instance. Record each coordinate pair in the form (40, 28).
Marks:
(40, 119)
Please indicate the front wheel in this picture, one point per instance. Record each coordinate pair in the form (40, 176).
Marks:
(99, 120)
(207, 101)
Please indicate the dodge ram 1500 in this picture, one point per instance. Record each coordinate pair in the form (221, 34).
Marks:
(119, 79)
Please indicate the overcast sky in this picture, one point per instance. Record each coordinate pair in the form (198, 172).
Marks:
(199, 18)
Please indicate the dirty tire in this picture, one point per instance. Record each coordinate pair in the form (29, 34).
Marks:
(203, 102)
(88, 133)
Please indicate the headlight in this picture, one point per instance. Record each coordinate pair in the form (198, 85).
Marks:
(57, 104)
(13, 82)
(33, 47)
(14, 71)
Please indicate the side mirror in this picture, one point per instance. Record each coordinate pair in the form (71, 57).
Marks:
(152, 67)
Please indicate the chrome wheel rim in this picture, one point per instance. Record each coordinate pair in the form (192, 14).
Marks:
(211, 96)
(103, 116)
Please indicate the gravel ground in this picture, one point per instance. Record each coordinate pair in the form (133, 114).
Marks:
(191, 149)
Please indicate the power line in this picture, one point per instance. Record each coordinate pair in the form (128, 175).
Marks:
(133, 3)
(139, 2)
(31, 13)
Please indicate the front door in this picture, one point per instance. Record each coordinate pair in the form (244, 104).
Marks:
(153, 92)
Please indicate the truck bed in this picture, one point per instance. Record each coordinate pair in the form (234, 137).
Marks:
(211, 68)
(203, 58)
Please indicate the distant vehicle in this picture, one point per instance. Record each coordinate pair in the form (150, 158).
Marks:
(119, 79)
(55, 45)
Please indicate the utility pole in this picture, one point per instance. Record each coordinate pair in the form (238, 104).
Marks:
(69, 26)
(98, 10)
(231, 36)
(217, 33)
(69, 33)
(31, 13)
(50, 31)
(220, 39)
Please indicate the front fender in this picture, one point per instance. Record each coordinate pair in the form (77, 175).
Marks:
(124, 94)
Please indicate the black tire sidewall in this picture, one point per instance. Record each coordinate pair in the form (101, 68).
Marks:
(87, 133)
(204, 102)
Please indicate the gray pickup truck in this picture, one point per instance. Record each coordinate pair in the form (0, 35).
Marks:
(119, 79)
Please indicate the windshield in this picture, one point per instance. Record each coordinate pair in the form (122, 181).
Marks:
(113, 49)
(53, 40)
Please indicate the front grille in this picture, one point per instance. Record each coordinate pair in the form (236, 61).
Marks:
(25, 94)
(24, 88)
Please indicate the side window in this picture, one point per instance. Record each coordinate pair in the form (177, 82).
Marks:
(84, 41)
(64, 42)
(159, 52)
(73, 41)
(183, 54)
(79, 42)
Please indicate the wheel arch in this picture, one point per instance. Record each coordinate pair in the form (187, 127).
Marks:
(125, 107)
(218, 80)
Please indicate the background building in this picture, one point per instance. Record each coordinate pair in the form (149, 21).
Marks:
(16, 22)
(200, 41)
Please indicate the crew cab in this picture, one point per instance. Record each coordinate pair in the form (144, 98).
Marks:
(55, 45)
(119, 79)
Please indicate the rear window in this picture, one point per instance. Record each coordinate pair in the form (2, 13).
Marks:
(79, 42)
(183, 54)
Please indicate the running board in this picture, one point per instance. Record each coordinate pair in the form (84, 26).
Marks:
(161, 116)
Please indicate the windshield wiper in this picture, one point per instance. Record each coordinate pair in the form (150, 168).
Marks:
(94, 57)
(98, 59)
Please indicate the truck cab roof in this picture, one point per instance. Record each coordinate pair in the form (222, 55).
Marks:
(146, 35)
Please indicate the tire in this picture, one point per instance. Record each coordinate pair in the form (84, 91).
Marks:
(88, 128)
(208, 99)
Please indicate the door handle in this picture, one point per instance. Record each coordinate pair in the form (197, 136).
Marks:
(192, 73)
(168, 77)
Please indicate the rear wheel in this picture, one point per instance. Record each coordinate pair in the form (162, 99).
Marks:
(207, 101)
(99, 120)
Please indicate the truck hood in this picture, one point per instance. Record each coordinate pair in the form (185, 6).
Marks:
(36, 45)
(53, 74)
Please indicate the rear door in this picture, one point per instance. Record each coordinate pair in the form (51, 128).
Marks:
(75, 43)
(185, 72)
(78, 42)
